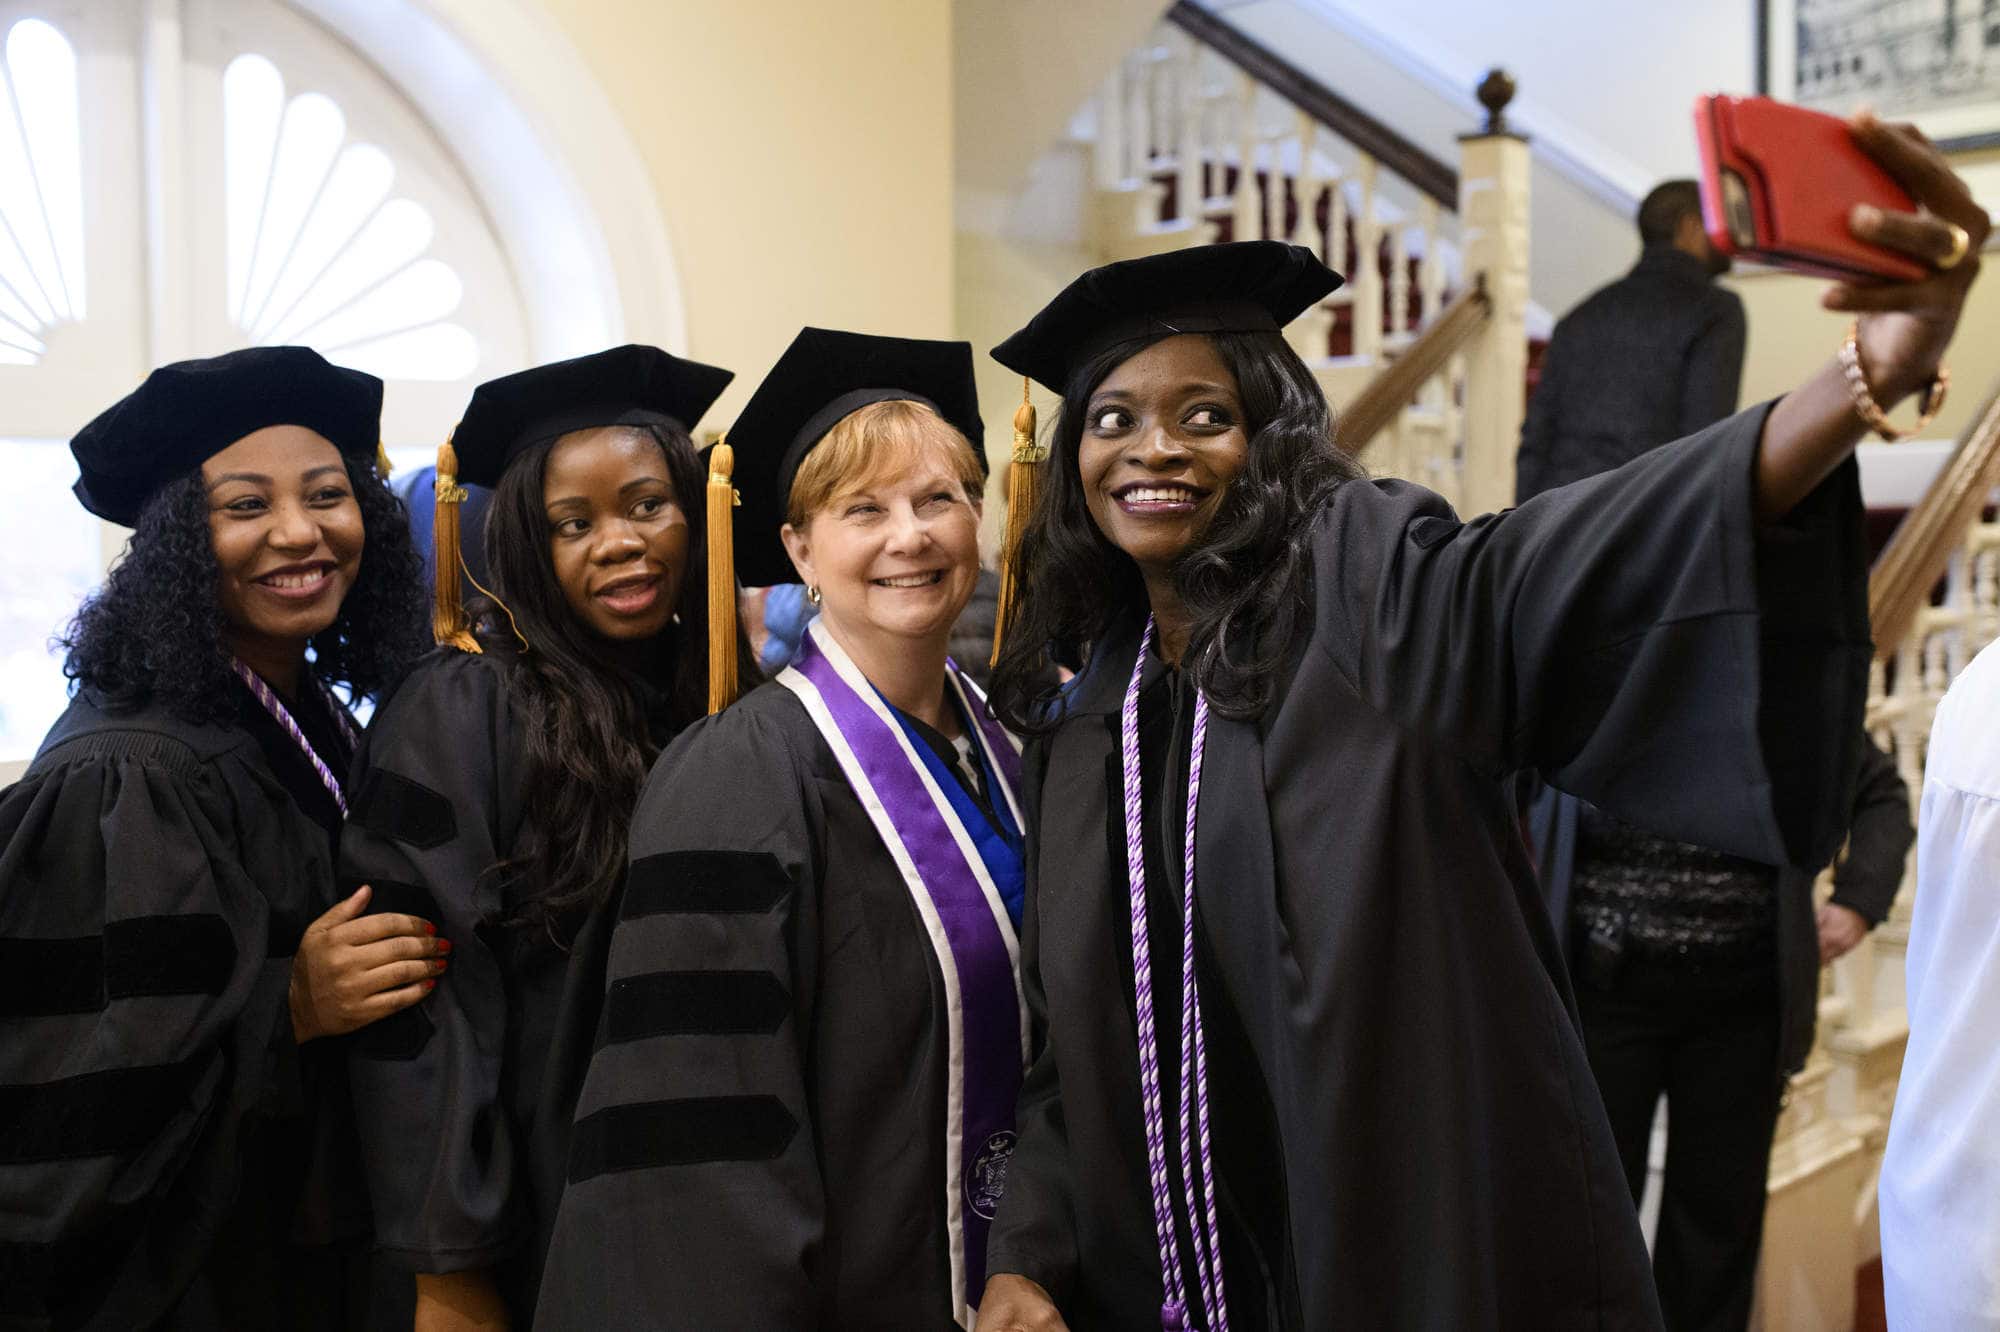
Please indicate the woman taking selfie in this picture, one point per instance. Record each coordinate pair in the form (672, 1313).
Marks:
(170, 947)
(1306, 1056)
(801, 1111)
(492, 794)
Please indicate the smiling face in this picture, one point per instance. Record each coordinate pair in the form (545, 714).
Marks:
(618, 537)
(287, 534)
(1163, 439)
(894, 550)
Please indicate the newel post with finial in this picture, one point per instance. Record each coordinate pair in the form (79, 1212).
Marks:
(1493, 174)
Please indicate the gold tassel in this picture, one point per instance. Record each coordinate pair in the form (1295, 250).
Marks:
(721, 577)
(448, 624)
(1024, 479)
(383, 467)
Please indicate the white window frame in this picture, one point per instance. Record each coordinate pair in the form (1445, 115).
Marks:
(563, 187)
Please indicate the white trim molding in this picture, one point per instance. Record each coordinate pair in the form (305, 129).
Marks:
(577, 213)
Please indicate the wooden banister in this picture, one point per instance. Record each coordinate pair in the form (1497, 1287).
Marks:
(1389, 392)
(1916, 556)
(1329, 108)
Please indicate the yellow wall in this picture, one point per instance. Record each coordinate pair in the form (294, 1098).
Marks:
(802, 155)
(1001, 284)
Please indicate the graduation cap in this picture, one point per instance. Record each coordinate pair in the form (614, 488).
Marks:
(1236, 288)
(821, 378)
(1241, 287)
(631, 385)
(187, 412)
(824, 376)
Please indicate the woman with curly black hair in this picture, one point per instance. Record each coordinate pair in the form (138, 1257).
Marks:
(1306, 1055)
(169, 939)
(493, 794)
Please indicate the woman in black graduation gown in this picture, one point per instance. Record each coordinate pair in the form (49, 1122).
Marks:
(493, 792)
(803, 1104)
(171, 1130)
(1392, 1123)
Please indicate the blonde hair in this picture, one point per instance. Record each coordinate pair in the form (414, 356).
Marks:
(879, 440)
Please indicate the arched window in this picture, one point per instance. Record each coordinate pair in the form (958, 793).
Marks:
(181, 177)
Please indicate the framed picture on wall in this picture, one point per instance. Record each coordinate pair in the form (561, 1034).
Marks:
(1934, 62)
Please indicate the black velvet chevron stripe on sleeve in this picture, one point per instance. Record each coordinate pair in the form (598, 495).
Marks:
(404, 810)
(691, 1131)
(694, 1003)
(705, 881)
(107, 1113)
(134, 958)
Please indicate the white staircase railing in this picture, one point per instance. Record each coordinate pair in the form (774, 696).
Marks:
(1202, 136)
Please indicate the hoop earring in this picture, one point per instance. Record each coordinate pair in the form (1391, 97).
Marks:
(812, 594)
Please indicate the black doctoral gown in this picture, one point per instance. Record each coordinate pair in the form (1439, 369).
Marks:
(761, 1139)
(464, 1101)
(169, 1156)
(1382, 985)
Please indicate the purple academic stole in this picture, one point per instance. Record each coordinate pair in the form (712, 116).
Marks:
(967, 922)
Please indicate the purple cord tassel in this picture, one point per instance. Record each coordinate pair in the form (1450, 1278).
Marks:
(1197, 1169)
(282, 715)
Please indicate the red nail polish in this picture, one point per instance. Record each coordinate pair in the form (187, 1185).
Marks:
(430, 985)
(430, 928)
(444, 945)
(440, 964)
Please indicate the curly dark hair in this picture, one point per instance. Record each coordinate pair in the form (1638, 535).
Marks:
(587, 742)
(1245, 584)
(154, 632)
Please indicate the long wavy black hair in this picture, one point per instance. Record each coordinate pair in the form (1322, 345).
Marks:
(1245, 584)
(586, 717)
(153, 634)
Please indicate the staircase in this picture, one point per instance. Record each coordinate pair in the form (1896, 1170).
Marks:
(1202, 135)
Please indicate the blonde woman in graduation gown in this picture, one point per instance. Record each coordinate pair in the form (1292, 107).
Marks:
(801, 1108)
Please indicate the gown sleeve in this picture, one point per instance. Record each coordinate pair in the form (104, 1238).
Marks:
(1033, 1234)
(442, 1159)
(1638, 637)
(1878, 839)
(695, 1195)
(149, 905)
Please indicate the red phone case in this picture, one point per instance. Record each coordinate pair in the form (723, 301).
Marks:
(1778, 181)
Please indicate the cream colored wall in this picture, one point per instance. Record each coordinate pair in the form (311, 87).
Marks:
(1001, 283)
(802, 155)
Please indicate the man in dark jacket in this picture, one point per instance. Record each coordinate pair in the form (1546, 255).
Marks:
(1697, 978)
(1655, 356)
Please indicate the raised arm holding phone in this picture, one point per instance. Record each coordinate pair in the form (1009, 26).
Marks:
(1305, 1054)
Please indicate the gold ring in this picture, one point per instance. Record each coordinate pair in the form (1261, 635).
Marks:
(1960, 243)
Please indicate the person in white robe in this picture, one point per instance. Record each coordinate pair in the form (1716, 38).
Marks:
(1940, 1190)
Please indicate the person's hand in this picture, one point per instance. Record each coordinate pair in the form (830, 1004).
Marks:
(1906, 326)
(352, 969)
(1013, 1303)
(1840, 928)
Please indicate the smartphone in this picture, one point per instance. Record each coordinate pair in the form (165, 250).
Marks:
(1777, 183)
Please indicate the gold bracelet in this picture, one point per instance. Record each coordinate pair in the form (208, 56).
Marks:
(1871, 411)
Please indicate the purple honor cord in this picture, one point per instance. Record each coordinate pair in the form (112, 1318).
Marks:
(1203, 1231)
(283, 716)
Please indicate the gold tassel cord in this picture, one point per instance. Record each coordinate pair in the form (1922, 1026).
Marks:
(721, 577)
(448, 622)
(383, 467)
(1024, 479)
